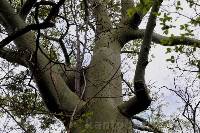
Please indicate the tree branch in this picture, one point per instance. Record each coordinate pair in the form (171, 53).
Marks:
(62, 45)
(54, 11)
(173, 40)
(127, 34)
(12, 116)
(53, 89)
(26, 8)
(142, 99)
(20, 32)
(13, 56)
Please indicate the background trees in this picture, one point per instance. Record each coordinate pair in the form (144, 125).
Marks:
(68, 52)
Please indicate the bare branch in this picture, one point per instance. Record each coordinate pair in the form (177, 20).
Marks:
(12, 116)
(54, 11)
(62, 45)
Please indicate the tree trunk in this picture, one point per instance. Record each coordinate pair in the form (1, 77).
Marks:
(104, 90)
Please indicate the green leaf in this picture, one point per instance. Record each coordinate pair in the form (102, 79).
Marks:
(131, 11)
(178, 3)
(171, 59)
(169, 50)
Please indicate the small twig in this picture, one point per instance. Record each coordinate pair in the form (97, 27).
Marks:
(19, 124)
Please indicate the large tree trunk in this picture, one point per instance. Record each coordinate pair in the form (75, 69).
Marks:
(104, 89)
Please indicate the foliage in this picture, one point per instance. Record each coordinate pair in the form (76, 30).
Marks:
(141, 8)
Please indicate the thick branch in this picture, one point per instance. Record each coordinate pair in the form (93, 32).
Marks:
(142, 100)
(13, 56)
(26, 8)
(127, 34)
(136, 104)
(55, 93)
(171, 41)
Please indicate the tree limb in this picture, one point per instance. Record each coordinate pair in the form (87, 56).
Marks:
(13, 56)
(53, 89)
(26, 8)
(142, 99)
(127, 34)
(173, 40)
(20, 32)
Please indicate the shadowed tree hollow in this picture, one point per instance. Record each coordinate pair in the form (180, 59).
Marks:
(52, 39)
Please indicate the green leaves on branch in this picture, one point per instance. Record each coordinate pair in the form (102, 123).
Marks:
(187, 29)
(171, 59)
(195, 21)
(142, 8)
(83, 124)
(164, 22)
(178, 5)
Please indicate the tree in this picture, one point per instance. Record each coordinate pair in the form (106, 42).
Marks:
(84, 99)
